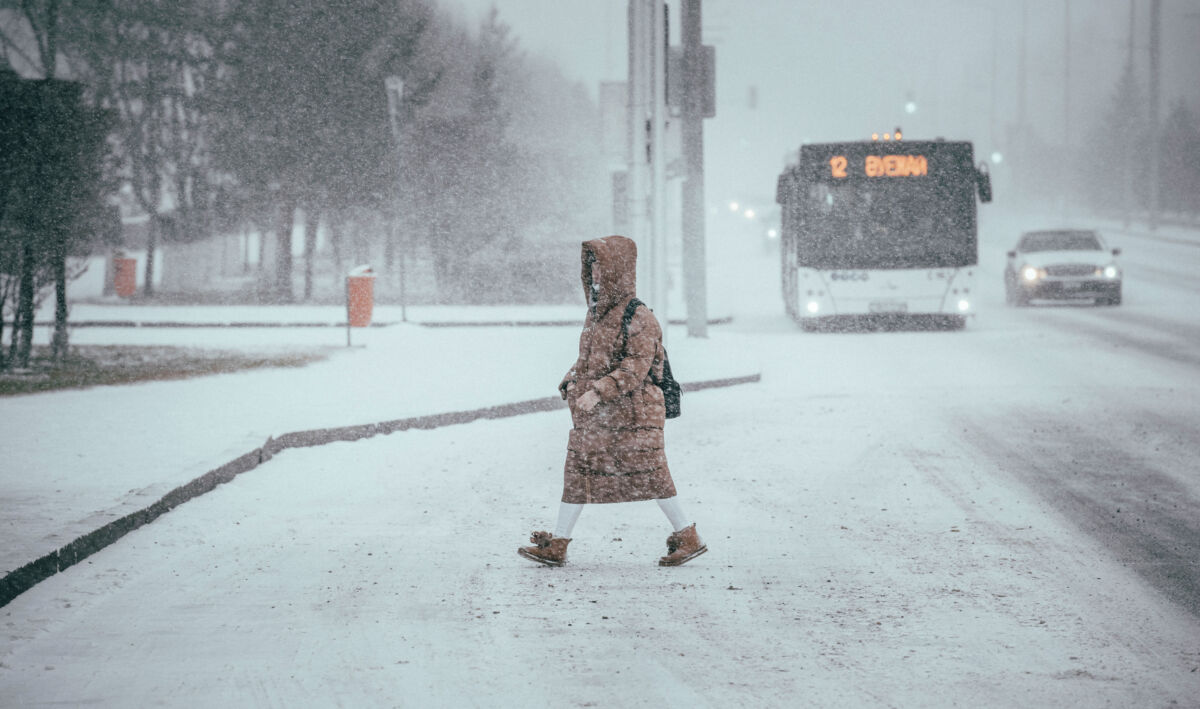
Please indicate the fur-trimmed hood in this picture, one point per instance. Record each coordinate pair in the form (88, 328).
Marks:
(615, 257)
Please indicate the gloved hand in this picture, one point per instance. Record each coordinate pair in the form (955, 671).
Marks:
(564, 387)
(588, 401)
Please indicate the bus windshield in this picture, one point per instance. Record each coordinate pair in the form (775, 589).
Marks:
(888, 225)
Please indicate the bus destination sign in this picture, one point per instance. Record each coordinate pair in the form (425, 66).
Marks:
(881, 166)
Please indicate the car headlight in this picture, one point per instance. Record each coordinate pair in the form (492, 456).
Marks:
(1030, 273)
(1111, 271)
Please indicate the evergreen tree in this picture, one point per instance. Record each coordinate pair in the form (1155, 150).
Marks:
(1122, 128)
(1181, 160)
(303, 113)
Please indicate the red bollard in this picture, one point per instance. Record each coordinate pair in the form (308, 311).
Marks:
(124, 276)
(360, 296)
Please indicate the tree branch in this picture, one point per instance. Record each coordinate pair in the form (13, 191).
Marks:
(39, 33)
(11, 45)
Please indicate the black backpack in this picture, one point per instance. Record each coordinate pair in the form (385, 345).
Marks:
(670, 387)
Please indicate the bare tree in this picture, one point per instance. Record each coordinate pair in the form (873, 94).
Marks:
(53, 154)
(303, 109)
(151, 62)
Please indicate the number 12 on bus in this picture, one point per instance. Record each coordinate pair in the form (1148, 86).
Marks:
(871, 229)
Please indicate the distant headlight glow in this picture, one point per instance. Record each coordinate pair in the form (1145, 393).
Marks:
(964, 305)
(1111, 271)
(813, 307)
(1030, 273)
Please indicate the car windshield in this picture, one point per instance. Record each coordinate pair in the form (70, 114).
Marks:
(1060, 241)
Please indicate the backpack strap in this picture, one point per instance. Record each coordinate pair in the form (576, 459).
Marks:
(627, 318)
(667, 383)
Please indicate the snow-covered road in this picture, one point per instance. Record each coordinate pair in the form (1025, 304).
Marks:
(1005, 516)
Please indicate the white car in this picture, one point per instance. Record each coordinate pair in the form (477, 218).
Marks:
(1062, 264)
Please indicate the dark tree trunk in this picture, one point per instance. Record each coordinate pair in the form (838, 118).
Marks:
(336, 242)
(446, 285)
(23, 335)
(311, 221)
(245, 249)
(389, 251)
(151, 245)
(3, 301)
(283, 254)
(59, 343)
(262, 253)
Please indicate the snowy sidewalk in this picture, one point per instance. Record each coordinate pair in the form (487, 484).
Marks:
(115, 312)
(80, 459)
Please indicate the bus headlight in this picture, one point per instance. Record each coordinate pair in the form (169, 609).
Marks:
(1111, 271)
(1030, 273)
(813, 307)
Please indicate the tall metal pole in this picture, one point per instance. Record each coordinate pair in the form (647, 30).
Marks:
(992, 108)
(1066, 73)
(694, 260)
(1019, 144)
(647, 163)
(638, 134)
(658, 163)
(1155, 143)
(1127, 157)
(1066, 163)
(394, 86)
(1021, 68)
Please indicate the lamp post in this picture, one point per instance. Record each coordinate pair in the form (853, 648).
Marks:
(394, 86)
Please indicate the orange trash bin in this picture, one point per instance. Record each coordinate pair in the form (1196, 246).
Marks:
(124, 276)
(360, 296)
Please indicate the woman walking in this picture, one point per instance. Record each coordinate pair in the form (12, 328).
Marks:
(615, 449)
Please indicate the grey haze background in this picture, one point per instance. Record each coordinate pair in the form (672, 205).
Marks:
(816, 70)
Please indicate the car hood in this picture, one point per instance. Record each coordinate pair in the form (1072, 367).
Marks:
(1046, 258)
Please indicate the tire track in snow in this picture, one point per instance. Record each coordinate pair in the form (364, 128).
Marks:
(1180, 346)
(1146, 517)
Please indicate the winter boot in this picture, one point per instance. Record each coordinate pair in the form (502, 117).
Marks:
(682, 547)
(547, 549)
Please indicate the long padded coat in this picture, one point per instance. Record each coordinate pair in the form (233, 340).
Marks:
(615, 451)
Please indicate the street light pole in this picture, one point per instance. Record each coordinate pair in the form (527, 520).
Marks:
(694, 277)
(1155, 143)
(394, 86)
(1065, 164)
(646, 115)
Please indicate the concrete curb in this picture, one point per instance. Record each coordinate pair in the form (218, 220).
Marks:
(152, 324)
(167, 324)
(26, 577)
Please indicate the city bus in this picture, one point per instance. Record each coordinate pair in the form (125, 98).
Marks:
(881, 230)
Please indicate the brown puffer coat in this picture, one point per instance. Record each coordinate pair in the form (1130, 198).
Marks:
(615, 452)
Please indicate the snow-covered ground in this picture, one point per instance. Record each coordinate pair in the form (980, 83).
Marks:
(877, 535)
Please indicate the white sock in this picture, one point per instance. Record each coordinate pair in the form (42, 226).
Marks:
(568, 513)
(674, 511)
